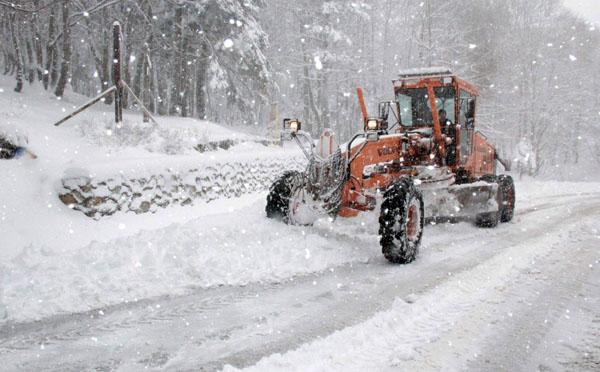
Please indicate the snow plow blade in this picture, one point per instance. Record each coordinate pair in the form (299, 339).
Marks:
(460, 201)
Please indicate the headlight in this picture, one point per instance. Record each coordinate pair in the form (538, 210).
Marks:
(372, 124)
(294, 125)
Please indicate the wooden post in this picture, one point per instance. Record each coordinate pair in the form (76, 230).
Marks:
(117, 72)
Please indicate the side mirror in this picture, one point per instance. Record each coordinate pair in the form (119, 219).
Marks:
(384, 110)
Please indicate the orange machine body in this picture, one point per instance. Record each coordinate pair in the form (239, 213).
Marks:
(403, 152)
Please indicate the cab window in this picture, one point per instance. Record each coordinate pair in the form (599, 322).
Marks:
(414, 107)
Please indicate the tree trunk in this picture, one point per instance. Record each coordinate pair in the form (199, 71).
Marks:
(7, 62)
(37, 44)
(186, 81)
(127, 53)
(305, 85)
(106, 62)
(176, 101)
(202, 69)
(49, 73)
(19, 62)
(66, 58)
(137, 83)
(145, 89)
(101, 57)
(30, 71)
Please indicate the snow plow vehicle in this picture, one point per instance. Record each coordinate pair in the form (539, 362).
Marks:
(423, 162)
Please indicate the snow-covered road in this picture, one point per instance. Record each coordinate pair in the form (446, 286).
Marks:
(524, 296)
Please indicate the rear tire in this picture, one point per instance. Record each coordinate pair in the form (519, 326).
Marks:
(401, 222)
(278, 200)
(506, 188)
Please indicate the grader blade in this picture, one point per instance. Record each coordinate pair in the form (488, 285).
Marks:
(460, 201)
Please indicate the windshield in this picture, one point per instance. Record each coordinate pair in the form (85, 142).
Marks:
(415, 110)
(414, 107)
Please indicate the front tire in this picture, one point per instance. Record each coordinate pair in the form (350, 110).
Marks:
(401, 222)
(278, 200)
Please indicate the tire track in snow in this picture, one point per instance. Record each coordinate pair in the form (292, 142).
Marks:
(128, 318)
(13, 329)
(403, 337)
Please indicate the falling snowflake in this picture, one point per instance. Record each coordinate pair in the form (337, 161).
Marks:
(318, 63)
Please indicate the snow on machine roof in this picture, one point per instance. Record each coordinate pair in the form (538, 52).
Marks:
(424, 72)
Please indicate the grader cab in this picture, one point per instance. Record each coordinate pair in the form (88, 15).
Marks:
(420, 158)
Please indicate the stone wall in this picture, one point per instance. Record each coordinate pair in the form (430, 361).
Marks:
(104, 197)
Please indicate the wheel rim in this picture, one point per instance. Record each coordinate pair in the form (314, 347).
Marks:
(408, 226)
(509, 199)
(302, 209)
(413, 221)
(296, 198)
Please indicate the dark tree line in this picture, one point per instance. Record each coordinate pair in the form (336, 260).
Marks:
(188, 58)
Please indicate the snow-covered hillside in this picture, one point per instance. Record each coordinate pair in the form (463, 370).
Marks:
(35, 225)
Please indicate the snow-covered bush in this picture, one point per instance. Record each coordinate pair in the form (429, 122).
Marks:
(13, 134)
(152, 137)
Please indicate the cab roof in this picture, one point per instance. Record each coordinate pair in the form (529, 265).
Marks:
(431, 76)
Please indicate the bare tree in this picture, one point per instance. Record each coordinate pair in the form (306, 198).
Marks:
(14, 29)
(66, 52)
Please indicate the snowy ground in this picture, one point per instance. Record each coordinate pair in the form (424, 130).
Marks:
(238, 290)
(218, 286)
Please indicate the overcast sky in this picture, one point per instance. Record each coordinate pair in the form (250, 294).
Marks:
(589, 9)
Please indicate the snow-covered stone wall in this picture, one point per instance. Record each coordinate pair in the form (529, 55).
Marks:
(99, 197)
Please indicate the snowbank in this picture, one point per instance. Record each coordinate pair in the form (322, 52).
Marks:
(232, 248)
(84, 265)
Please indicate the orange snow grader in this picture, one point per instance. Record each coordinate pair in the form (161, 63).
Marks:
(420, 158)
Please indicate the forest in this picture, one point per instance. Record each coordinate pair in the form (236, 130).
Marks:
(235, 61)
